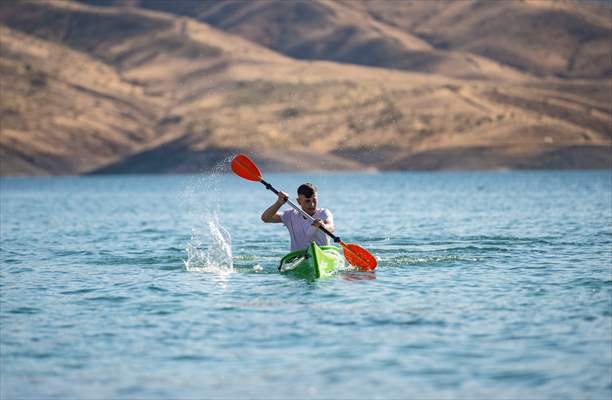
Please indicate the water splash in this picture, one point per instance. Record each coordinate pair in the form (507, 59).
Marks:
(211, 251)
(210, 246)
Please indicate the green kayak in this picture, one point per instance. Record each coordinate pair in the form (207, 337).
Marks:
(312, 263)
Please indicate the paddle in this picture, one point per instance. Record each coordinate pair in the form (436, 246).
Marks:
(354, 254)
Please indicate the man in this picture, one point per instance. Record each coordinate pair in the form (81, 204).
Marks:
(301, 230)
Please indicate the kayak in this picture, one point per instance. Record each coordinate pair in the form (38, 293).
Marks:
(313, 262)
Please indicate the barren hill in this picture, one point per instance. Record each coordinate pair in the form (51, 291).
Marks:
(468, 38)
(143, 89)
(63, 111)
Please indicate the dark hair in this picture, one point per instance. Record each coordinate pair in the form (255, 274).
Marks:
(307, 189)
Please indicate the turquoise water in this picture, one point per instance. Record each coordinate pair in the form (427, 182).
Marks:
(490, 286)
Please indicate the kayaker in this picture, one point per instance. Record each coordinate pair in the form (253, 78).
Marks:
(301, 230)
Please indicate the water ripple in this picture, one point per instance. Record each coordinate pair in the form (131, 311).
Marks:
(498, 293)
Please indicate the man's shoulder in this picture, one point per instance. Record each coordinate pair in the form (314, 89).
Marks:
(324, 212)
(289, 211)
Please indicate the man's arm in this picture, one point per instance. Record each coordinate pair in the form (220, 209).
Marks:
(271, 214)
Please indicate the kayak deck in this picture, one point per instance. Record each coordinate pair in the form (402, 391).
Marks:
(313, 262)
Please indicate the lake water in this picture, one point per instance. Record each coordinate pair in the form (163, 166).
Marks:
(490, 285)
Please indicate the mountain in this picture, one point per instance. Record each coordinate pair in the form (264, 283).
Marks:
(147, 86)
(569, 39)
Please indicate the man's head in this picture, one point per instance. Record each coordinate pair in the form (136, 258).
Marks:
(307, 198)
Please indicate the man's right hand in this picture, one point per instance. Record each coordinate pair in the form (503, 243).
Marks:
(282, 197)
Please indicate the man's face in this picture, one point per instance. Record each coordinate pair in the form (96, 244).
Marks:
(308, 204)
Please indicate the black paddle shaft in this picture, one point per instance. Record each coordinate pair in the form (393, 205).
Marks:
(271, 188)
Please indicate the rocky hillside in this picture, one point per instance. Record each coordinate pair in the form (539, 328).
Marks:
(149, 86)
(468, 38)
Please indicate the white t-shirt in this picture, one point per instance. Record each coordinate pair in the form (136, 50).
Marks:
(301, 230)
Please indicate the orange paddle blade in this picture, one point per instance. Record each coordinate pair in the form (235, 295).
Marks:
(359, 257)
(245, 168)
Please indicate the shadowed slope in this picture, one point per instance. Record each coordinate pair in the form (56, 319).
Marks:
(329, 30)
(568, 39)
(62, 111)
(471, 38)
